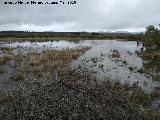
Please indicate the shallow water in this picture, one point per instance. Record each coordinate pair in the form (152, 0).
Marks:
(110, 59)
(39, 47)
(122, 69)
(5, 82)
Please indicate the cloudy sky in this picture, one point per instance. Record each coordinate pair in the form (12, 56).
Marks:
(86, 15)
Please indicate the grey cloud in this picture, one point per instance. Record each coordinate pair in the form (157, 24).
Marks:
(87, 15)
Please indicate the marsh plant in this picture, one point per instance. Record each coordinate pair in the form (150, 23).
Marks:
(115, 54)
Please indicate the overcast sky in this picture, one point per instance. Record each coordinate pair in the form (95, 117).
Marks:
(86, 15)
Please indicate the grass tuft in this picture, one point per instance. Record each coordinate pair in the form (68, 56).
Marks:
(17, 77)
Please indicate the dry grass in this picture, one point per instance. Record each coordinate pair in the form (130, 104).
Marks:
(17, 77)
(94, 60)
(76, 96)
(1, 70)
(53, 60)
(4, 60)
(115, 54)
(6, 97)
(6, 49)
(141, 98)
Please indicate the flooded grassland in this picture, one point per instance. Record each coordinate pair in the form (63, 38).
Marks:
(92, 79)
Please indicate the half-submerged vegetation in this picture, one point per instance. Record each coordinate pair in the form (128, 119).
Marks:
(52, 90)
(4, 59)
(49, 89)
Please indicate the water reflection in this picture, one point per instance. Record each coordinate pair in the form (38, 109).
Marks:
(117, 60)
(109, 59)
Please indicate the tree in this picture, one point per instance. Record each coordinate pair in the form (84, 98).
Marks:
(152, 36)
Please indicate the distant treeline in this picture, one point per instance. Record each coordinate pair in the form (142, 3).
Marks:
(76, 35)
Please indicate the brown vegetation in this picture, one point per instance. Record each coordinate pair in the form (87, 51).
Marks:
(1, 70)
(53, 60)
(17, 77)
(4, 60)
(6, 49)
(78, 95)
(75, 94)
(115, 54)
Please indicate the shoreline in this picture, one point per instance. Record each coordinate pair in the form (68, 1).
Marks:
(57, 39)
